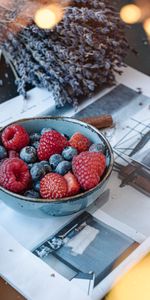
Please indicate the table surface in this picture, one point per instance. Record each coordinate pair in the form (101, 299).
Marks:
(7, 292)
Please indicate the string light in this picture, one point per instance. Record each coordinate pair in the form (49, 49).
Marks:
(130, 13)
(48, 16)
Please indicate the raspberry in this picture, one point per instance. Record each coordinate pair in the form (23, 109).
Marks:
(13, 153)
(53, 186)
(15, 137)
(14, 175)
(51, 142)
(72, 183)
(101, 161)
(1, 161)
(88, 167)
(96, 158)
(80, 142)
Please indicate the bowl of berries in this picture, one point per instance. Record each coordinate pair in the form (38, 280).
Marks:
(55, 165)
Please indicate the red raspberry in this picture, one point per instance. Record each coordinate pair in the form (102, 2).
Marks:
(80, 142)
(15, 137)
(88, 167)
(97, 158)
(2, 160)
(13, 153)
(14, 175)
(72, 183)
(101, 161)
(51, 142)
(53, 186)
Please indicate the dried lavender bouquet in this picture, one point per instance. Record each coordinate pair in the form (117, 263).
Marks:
(76, 58)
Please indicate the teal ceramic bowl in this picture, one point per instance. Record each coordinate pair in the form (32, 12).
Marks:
(72, 204)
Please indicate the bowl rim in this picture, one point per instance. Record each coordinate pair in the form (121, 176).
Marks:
(70, 198)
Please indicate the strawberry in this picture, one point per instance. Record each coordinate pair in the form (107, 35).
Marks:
(51, 142)
(88, 167)
(15, 137)
(53, 186)
(14, 175)
(80, 142)
(72, 184)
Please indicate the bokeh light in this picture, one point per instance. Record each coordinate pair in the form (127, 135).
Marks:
(146, 26)
(130, 13)
(135, 284)
(49, 16)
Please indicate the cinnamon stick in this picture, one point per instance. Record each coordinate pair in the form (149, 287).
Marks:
(102, 121)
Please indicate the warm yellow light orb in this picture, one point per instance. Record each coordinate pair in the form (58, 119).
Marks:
(49, 16)
(135, 284)
(146, 26)
(130, 13)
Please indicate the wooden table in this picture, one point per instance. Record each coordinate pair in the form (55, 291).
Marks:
(8, 293)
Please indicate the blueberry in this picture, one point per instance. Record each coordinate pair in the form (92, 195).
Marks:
(54, 160)
(35, 144)
(32, 194)
(66, 136)
(69, 152)
(43, 162)
(37, 171)
(63, 167)
(46, 166)
(3, 152)
(28, 154)
(30, 166)
(34, 137)
(36, 186)
(97, 148)
(45, 130)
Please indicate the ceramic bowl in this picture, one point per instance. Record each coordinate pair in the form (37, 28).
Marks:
(68, 205)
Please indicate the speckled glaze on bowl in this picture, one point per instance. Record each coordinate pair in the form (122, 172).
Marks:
(63, 206)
